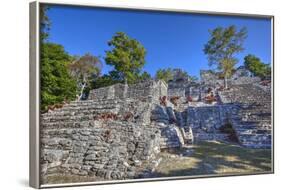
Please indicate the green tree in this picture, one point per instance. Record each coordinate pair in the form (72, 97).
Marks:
(257, 67)
(84, 69)
(127, 55)
(221, 49)
(193, 78)
(56, 83)
(145, 76)
(164, 74)
(102, 81)
(45, 22)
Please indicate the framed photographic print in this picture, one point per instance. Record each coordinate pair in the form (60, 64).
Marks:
(128, 94)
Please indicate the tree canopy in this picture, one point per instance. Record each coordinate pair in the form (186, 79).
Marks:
(45, 22)
(84, 69)
(222, 47)
(257, 67)
(145, 76)
(127, 55)
(164, 74)
(56, 83)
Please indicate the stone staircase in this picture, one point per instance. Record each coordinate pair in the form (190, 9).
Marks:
(172, 124)
(251, 118)
(253, 126)
(76, 139)
(186, 130)
(74, 113)
(83, 113)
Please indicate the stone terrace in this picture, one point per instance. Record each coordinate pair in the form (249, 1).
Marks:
(111, 137)
(252, 119)
(118, 132)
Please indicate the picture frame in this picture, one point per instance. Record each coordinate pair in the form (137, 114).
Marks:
(36, 134)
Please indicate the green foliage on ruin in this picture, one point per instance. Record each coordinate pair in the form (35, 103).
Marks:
(257, 67)
(164, 74)
(57, 85)
(222, 47)
(127, 56)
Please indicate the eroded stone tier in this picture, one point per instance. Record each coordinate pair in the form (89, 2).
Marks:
(252, 120)
(110, 137)
(118, 132)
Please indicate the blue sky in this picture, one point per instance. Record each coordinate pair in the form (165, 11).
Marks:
(171, 39)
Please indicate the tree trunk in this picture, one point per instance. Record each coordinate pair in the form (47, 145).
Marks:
(225, 82)
(82, 90)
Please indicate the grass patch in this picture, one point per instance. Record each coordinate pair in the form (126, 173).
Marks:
(68, 178)
(214, 158)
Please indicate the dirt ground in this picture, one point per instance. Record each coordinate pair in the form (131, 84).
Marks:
(213, 158)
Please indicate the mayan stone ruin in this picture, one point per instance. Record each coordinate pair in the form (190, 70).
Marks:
(119, 130)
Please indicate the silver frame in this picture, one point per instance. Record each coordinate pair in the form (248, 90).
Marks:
(34, 92)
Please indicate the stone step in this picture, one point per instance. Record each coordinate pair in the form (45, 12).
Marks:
(255, 110)
(66, 124)
(87, 106)
(90, 107)
(78, 114)
(65, 111)
(253, 126)
(170, 145)
(164, 140)
(209, 136)
(252, 131)
(262, 108)
(101, 101)
(254, 138)
(254, 145)
(253, 117)
(68, 119)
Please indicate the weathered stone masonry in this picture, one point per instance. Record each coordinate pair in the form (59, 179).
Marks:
(110, 137)
(118, 132)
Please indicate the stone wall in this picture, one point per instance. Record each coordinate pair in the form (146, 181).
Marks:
(195, 92)
(244, 80)
(210, 77)
(111, 137)
(172, 133)
(176, 92)
(153, 89)
(108, 139)
(252, 120)
(240, 76)
(120, 129)
(110, 92)
(112, 150)
(206, 121)
(241, 72)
